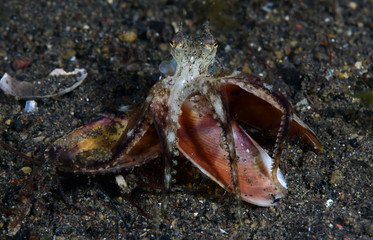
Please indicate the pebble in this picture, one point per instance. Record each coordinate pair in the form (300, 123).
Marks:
(342, 74)
(20, 63)
(26, 170)
(329, 203)
(293, 43)
(8, 122)
(128, 37)
(278, 54)
(336, 177)
(163, 47)
(358, 64)
(23, 135)
(214, 207)
(133, 67)
(353, 5)
(39, 139)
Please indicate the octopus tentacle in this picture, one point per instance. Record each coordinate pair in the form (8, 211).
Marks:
(219, 100)
(166, 110)
(282, 132)
(137, 126)
(167, 162)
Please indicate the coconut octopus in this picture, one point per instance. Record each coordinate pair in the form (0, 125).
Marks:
(201, 116)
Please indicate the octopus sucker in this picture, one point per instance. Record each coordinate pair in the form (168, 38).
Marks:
(201, 116)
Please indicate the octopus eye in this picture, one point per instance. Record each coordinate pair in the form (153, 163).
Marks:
(176, 45)
(208, 47)
(215, 45)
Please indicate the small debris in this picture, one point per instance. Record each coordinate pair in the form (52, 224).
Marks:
(128, 37)
(39, 139)
(31, 106)
(26, 170)
(222, 231)
(174, 224)
(20, 63)
(303, 105)
(15, 88)
(342, 75)
(339, 226)
(353, 5)
(53, 86)
(133, 67)
(358, 65)
(329, 203)
(163, 47)
(336, 177)
(278, 55)
(214, 207)
(268, 7)
(121, 182)
(8, 122)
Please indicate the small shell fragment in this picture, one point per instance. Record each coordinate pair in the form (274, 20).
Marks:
(121, 182)
(53, 86)
(31, 106)
(15, 88)
(329, 203)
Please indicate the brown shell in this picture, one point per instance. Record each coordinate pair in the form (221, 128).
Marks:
(89, 149)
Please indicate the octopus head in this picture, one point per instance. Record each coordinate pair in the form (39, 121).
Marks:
(198, 52)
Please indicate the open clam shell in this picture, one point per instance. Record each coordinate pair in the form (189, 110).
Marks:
(201, 140)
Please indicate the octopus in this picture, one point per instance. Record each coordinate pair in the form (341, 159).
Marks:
(201, 116)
